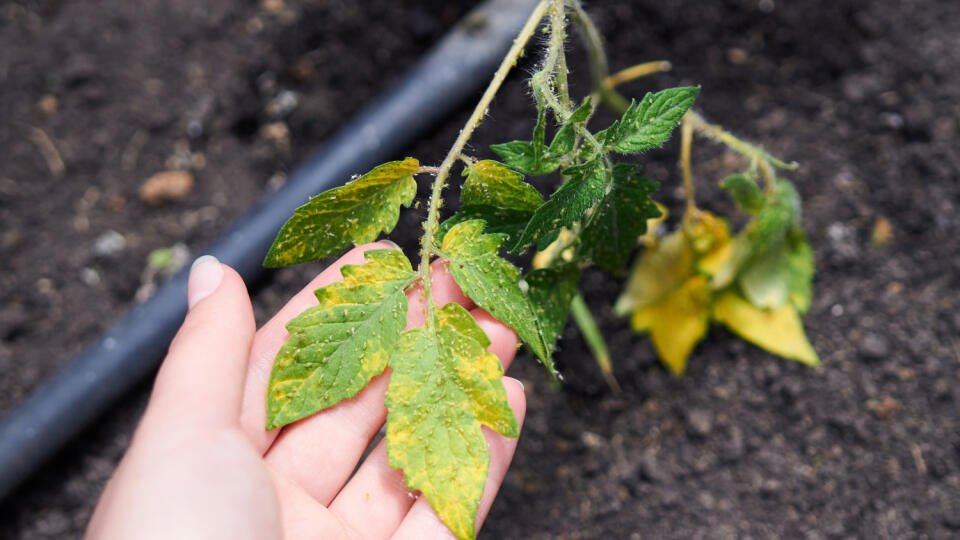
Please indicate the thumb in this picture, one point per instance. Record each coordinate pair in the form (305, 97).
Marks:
(201, 379)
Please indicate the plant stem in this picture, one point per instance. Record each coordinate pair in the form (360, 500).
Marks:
(557, 37)
(635, 72)
(593, 337)
(427, 247)
(599, 69)
(686, 141)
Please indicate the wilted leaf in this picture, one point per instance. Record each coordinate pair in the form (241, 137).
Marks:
(614, 228)
(444, 386)
(568, 204)
(677, 322)
(744, 191)
(354, 213)
(779, 330)
(336, 347)
(551, 290)
(493, 283)
(648, 123)
(659, 271)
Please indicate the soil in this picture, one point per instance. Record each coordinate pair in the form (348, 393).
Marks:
(97, 97)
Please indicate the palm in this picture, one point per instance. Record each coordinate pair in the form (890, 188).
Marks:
(202, 466)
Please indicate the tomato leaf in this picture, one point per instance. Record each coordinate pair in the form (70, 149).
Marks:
(444, 387)
(490, 183)
(529, 157)
(677, 322)
(779, 330)
(336, 347)
(551, 291)
(498, 196)
(568, 204)
(614, 228)
(566, 137)
(494, 284)
(648, 123)
(744, 191)
(354, 213)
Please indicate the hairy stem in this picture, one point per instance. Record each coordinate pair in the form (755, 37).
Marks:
(557, 37)
(597, 57)
(427, 247)
(636, 72)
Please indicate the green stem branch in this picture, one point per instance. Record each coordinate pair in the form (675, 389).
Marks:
(427, 247)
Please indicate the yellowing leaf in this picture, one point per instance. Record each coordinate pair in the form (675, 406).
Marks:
(677, 322)
(659, 271)
(490, 183)
(779, 330)
(445, 385)
(354, 213)
(498, 196)
(336, 347)
(494, 284)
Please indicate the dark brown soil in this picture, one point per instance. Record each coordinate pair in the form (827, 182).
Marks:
(863, 94)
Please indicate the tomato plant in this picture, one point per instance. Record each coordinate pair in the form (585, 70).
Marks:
(445, 385)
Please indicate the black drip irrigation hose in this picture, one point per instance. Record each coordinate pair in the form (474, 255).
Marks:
(130, 351)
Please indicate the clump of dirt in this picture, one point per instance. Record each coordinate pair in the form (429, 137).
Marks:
(103, 96)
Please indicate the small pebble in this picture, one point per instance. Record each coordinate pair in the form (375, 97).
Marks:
(109, 243)
(166, 186)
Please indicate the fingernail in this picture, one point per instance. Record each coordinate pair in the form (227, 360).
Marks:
(391, 242)
(205, 276)
(518, 381)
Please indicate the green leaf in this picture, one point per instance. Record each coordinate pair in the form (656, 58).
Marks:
(765, 232)
(490, 183)
(444, 387)
(801, 265)
(550, 291)
(565, 138)
(619, 219)
(354, 213)
(781, 273)
(499, 221)
(336, 347)
(529, 157)
(648, 123)
(745, 192)
(567, 205)
(493, 283)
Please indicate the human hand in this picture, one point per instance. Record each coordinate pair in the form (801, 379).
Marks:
(201, 464)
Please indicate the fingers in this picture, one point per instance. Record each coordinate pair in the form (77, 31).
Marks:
(269, 339)
(376, 489)
(336, 438)
(202, 377)
(422, 523)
